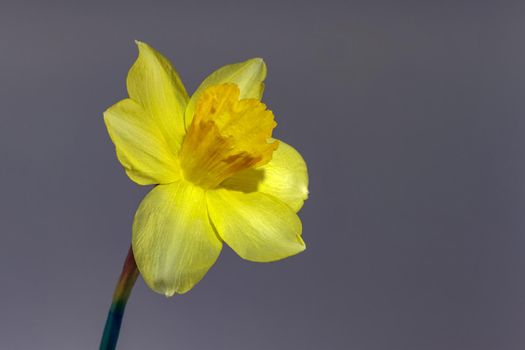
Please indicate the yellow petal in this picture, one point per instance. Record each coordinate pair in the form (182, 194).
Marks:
(140, 145)
(284, 177)
(154, 83)
(173, 241)
(248, 76)
(257, 226)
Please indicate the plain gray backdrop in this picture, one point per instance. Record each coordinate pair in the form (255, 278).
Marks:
(410, 115)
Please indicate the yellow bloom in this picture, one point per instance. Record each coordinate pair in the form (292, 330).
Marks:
(220, 176)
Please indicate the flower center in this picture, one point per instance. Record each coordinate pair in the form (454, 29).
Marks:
(226, 135)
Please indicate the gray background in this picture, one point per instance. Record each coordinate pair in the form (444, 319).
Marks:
(410, 115)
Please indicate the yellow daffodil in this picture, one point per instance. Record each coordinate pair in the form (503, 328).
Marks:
(220, 176)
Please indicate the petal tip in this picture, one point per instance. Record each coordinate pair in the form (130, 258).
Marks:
(105, 114)
(143, 47)
(301, 243)
(169, 293)
(258, 61)
(306, 193)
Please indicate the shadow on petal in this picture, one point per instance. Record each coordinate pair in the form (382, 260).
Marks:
(246, 181)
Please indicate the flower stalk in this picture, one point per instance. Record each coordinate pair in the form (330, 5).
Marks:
(122, 292)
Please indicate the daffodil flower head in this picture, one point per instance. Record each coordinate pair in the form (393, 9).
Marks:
(219, 174)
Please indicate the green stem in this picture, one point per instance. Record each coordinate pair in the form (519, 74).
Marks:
(123, 289)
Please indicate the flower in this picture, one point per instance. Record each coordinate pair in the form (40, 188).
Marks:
(219, 175)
